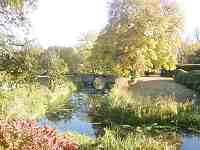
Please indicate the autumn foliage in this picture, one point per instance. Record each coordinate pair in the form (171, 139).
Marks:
(25, 135)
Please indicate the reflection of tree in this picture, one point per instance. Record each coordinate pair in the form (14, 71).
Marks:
(94, 105)
(60, 112)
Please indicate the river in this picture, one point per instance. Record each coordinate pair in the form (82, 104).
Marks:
(74, 117)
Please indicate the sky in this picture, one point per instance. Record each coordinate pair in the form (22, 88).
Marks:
(61, 22)
(192, 16)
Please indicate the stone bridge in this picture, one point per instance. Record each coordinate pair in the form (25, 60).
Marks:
(88, 79)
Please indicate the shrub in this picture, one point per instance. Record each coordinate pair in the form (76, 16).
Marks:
(99, 83)
(167, 73)
(189, 79)
(188, 67)
(25, 135)
(198, 88)
(181, 76)
(192, 78)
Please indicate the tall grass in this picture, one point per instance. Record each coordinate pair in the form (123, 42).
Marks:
(113, 140)
(21, 103)
(123, 109)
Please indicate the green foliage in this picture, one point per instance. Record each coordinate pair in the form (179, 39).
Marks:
(32, 104)
(120, 108)
(168, 73)
(113, 140)
(189, 53)
(69, 55)
(16, 4)
(55, 71)
(190, 79)
(181, 76)
(99, 83)
(25, 65)
(86, 43)
(22, 66)
(188, 67)
(141, 35)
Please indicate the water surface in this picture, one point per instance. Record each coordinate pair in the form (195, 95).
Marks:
(190, 142)
(73, 116)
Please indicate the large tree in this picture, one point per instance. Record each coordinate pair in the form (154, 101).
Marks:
(141, 35)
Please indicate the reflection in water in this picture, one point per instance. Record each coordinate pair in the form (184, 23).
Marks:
(190, 143)
(61, 112)
(72, 116)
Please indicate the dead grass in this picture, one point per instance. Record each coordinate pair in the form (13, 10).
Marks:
(158, 86)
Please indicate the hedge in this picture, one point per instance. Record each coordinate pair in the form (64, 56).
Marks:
(181, 76)
(188, 67)
(190, 79)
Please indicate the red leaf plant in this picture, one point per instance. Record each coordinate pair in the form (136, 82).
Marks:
(25, 135)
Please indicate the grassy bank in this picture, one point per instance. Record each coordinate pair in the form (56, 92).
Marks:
(21, 103)
(118, 139)
(142, 122)
(146, 111)
(131, 122)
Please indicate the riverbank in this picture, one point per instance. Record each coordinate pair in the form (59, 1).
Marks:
(121, 119)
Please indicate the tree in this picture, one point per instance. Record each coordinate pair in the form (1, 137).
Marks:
(141, 35)
(86, 43)
(69, 55)
(197, 34)
(190, 53)
(56, 68)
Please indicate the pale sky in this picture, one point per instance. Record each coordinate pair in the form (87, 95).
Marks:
(61, 22)
(192, 14)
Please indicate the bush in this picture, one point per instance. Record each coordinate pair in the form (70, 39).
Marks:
(193, 78)
(189, 79)
(181, 76)
(25, 135)
(99, 83)
(167, 73)
(188, 67)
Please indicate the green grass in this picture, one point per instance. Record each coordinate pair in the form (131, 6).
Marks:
(21, 103)
(144, 121)
(121, 108)
(117, 140)
(138, 122)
